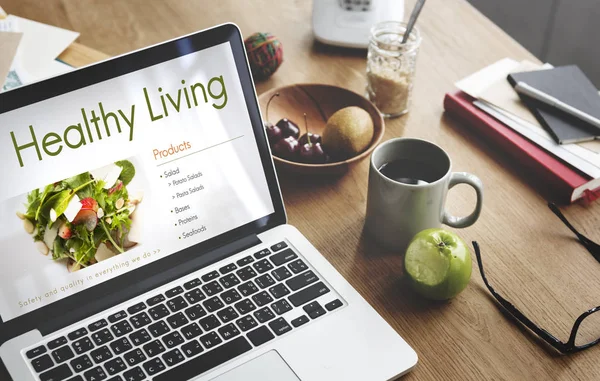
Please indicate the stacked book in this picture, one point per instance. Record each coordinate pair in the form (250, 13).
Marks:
(560, 152)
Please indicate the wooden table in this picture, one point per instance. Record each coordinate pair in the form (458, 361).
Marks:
(530, 256)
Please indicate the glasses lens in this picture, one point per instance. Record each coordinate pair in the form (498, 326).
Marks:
(589, 330)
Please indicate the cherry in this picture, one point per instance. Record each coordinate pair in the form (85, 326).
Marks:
(286, 148)
(311, 152)
(314, 138)
(274, 133)
(288, 128)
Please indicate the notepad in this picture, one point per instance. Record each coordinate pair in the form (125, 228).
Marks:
(570, 85)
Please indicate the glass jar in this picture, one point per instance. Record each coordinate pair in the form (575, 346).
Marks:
(391, 67)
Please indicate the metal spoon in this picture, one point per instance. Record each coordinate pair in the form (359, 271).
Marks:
(413, 19)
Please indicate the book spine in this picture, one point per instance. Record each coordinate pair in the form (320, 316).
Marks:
(519, 148)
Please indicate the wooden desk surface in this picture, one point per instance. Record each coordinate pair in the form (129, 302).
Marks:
(530, 256)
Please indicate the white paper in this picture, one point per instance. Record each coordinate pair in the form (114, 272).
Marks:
(477, 82)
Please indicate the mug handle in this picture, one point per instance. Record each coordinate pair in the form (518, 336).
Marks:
(472, 180)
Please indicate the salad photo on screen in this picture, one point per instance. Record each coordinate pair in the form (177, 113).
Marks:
(84, 219)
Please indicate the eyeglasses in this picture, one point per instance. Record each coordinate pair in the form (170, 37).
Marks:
(570, 346)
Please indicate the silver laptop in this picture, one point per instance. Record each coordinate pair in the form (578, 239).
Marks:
(143, 234)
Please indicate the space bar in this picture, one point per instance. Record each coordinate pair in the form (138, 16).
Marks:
(207, 361)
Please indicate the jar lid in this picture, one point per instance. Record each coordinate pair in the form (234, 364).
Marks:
(387, 35)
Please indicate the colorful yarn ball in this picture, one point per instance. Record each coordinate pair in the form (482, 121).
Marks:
(265, 54)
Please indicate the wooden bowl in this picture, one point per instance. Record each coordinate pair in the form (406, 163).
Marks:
(319, 102)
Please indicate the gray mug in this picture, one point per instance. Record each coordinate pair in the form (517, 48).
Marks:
(398, 210)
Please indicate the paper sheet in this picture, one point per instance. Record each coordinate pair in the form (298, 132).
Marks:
(9, 43)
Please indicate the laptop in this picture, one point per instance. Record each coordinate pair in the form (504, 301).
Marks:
(144, 235)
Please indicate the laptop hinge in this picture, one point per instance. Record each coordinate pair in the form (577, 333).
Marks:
(145, 285)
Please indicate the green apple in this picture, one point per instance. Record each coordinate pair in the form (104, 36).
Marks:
(438, 264)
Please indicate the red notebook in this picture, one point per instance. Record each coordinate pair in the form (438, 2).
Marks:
(565, 183)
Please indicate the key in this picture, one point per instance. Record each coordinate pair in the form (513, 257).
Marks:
(177, 304)
(260, 336)
(117, 316)
(280, 326)
(77, 334)
(262, 299)
(82, 345)
(248, 288)
(173, 357)
(101, 354)
(209, 322)
(300, 321)
(227, 314)
(283, 257)
(192, 348)
(228, 331)
(213, 304)
(79, 378)
(244, 261)
(195, 312)
(212, 288)
(140, 337)
(158, 312)
(62, 354)
(57, 342)
(81, 363)
(97, 325)
(158, 329)
(155, 300)
(121, 345)
(57, 374)
(302, 280)
(207, 361)
(210, 276)
(279, 246)
(314, 310)
(172, 339)
(153, 348)
(246, 273)
(210, 340)
(35, 352)
(121, 328)
(194, 296)
(297, 266)
(247, 322)
(264, 281)
(264, 314)
(229, 281)
(280, 307)
(174, 291)
(231, 296)
(154, 366)
(115, 366)
(135, 374)
(307, 294)
(140, 320)
(115, 378)
(262, 266)
(134, 357)
(136, 308)
(94, 374)
(245, 306)
(279, 291)
(192, 283)
(102, 337)
(333, 305)
(281, 273)
(177, 320)
(191, 331)
(261, 254)
(42, 363)
(228, 268)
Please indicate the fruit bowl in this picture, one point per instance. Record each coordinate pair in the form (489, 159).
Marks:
(319, 102)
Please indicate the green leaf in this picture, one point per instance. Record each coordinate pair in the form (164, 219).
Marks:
(77, 181)
(58, 202)
(127, 172)
(58, 250)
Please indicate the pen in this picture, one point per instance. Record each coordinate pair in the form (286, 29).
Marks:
(525, 89)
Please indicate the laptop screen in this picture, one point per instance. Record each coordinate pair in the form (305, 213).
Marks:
(110, 177)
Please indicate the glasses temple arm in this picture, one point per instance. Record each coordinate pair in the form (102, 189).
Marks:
(592, 246)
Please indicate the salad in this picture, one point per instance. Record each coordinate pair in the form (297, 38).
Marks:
(83, 219)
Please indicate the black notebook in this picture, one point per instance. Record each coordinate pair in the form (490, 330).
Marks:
(571, 86)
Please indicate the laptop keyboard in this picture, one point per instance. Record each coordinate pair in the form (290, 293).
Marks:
(193, 327)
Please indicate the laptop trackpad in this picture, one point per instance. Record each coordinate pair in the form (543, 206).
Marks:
(267, 367)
